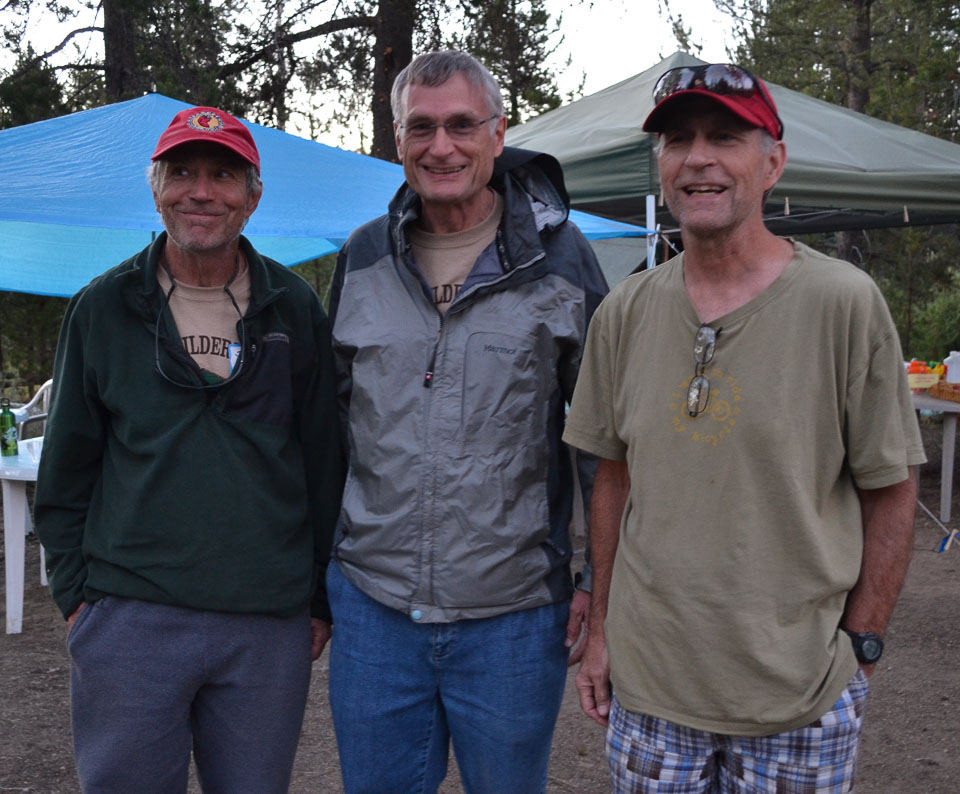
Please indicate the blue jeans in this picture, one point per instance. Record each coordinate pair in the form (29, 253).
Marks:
(401, 690)
(149, 682)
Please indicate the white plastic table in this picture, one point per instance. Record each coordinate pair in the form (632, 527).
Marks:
(15, 472)
(949, 409)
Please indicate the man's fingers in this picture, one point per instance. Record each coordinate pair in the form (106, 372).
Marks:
(573, 632)
(594, 698)
(320, 632)
(576, 654)
(75, 614)
(602, 695)
(574, 627)
(577, 624)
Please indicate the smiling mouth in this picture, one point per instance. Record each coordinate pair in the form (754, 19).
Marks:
(703, 190)
(189, 214)
(444, 170)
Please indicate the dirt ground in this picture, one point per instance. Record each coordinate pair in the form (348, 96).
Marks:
(911, 738)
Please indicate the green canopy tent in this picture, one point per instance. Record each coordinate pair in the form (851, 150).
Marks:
(844, 170)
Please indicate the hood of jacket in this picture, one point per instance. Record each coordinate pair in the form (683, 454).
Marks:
(531, 184)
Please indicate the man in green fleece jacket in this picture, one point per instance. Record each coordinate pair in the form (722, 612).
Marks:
(189, 487)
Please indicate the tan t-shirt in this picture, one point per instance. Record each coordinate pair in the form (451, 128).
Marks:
(742, 532)
(207, 320)
(445, 260)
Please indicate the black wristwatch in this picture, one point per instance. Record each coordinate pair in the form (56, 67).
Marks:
(867, 646)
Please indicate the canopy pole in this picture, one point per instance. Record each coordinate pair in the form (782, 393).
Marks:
(651, 224)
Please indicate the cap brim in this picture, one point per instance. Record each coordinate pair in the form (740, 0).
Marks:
(162, 150)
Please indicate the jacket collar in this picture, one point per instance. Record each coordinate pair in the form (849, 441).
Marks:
(534, 200)
(144, 290)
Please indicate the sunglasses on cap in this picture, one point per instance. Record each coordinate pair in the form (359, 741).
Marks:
(723, 79)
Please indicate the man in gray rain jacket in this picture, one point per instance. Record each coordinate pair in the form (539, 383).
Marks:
(459, 320)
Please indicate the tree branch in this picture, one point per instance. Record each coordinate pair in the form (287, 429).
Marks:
(79, 67)
(331, 26)
(26, 67)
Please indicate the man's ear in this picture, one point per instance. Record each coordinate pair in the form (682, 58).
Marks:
(776, 161)
(499, 131)
(396, 138)
(253, 201)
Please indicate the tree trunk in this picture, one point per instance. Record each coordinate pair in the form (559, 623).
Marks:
(281, 76)
(856, 47)
(120, 64)
(393, 50)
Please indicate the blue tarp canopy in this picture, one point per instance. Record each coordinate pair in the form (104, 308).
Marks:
(74, 196)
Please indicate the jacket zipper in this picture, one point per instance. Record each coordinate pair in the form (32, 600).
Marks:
(431, 365)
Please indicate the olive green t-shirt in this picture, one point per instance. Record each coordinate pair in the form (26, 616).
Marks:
(742, 532)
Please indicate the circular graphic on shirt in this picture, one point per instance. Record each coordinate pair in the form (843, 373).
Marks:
(721, 414)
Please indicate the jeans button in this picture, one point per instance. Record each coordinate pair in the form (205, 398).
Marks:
(416, 614)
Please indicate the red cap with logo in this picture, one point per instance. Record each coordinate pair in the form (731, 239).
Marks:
(732, 86)
(208, 124)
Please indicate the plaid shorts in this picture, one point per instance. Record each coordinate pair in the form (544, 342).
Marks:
(647, 754)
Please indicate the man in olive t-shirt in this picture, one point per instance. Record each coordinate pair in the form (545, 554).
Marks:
(753, 510)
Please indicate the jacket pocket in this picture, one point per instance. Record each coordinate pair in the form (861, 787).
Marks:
(503, 388)
(265, 393)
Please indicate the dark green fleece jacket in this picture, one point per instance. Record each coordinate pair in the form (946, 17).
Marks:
(222, 499)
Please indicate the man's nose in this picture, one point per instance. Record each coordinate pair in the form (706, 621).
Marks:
(700, 152)
(441, 143)
(201, 187)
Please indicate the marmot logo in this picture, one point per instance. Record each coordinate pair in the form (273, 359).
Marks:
(510, 351)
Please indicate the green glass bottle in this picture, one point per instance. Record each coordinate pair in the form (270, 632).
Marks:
(8, 429)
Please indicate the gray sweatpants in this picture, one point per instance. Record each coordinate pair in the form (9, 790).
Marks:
(147, 681)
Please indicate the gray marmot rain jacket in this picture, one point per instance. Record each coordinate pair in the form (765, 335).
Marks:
(459, 492)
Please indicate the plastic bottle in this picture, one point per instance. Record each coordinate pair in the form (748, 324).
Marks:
(953, 367)
(8, 429)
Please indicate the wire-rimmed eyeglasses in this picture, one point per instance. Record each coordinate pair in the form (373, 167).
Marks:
(704, 347)
(234, 370)
(460, 128)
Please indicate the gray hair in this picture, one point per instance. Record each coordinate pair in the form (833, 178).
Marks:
(435, 68)
(155, 172)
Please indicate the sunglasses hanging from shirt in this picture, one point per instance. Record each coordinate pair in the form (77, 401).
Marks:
(236, 361)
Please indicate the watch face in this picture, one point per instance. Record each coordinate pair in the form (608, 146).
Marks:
(871, 649)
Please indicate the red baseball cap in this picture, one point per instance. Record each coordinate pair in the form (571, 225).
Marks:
(732, 86)
(208, 124)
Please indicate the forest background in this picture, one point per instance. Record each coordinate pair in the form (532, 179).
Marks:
(269, 60)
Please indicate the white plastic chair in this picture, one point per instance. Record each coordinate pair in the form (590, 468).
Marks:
(35, 410)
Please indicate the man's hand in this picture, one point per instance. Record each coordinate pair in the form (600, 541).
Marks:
(73, 617)
(593, 679)
(610, 490)
(577, 626)
(320, 632)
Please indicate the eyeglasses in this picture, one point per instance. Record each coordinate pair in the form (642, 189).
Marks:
(235, 370)
(460, 129)
(725, 79)
(704, 346)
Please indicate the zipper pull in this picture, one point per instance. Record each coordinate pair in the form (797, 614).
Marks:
(428, 375)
